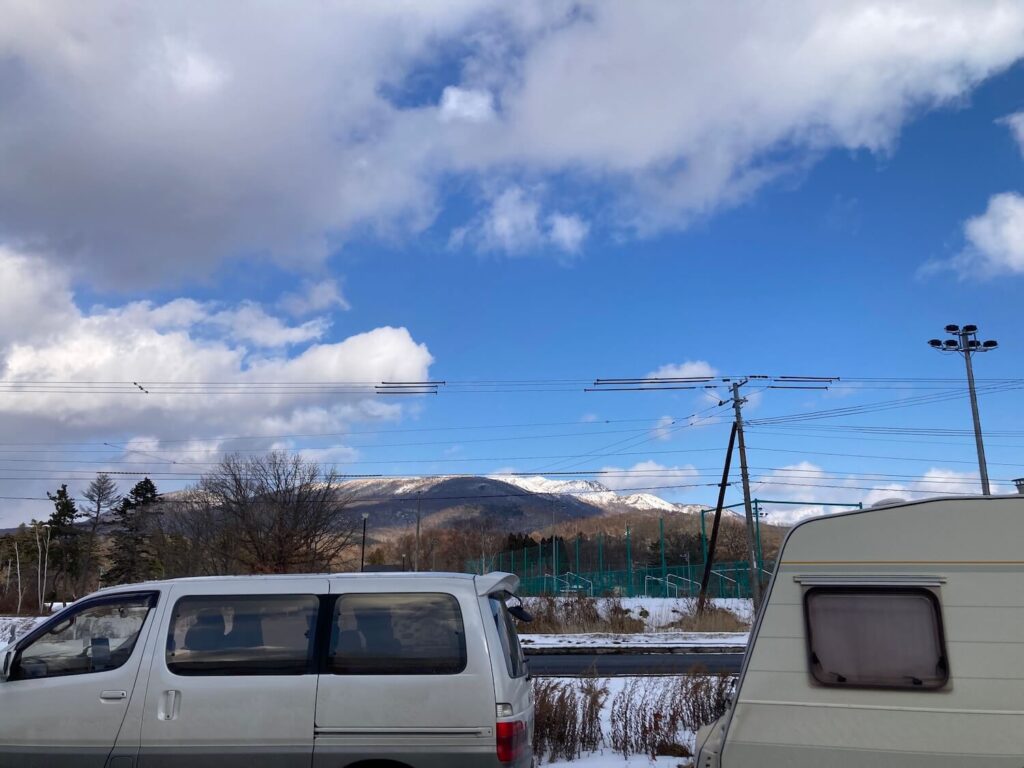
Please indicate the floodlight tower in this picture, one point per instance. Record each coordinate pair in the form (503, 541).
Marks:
(965, 342)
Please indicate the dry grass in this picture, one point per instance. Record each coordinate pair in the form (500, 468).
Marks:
(573, 615)
(713, 619)
(653, 716)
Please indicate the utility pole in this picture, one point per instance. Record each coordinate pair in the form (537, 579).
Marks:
(755, 574)
(965, 342)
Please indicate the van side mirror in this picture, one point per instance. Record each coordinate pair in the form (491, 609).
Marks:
(7, 664)
(520, 613)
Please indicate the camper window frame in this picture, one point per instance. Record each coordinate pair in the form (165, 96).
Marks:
(936, 604)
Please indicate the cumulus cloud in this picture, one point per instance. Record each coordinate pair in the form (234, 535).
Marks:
(185, 135)
(649, 474)
(514, 224)
(241, 350)
(473, 106)
(809, 485)
(995, 239)
(1015, 123)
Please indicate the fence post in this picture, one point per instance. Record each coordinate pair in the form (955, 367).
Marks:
(577, 553)
(629, 566)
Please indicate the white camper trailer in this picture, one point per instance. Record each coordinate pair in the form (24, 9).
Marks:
(889, 637)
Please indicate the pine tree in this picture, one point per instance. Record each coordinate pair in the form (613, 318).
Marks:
(133, 557)
(64, 545)
(102, 496)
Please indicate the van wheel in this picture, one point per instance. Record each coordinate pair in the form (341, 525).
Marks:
(378, 764)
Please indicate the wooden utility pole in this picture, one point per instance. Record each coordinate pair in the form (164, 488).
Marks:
(755, 574)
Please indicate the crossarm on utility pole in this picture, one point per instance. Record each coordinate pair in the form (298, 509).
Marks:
(710, 559)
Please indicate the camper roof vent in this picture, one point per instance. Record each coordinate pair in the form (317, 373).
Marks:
(889, 502)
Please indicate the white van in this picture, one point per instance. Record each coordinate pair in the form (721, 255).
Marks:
(889, 638)
(335, 671)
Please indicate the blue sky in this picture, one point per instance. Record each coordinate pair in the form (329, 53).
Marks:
(474, 193)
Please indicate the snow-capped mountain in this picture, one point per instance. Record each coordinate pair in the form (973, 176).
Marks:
(518, 503)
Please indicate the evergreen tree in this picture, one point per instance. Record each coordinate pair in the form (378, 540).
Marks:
(64, 546)
(133, 557)
(102, 496)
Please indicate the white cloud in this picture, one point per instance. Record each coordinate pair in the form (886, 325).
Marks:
(192, 72)
(316, 296)
(995, 239)
(45, 336)
(691, 369)
(513, 225)
(650, 474)
(662, 429)
(473, 106)
(567, 232)
(810, 486)
(1015, 123)
(205, 132)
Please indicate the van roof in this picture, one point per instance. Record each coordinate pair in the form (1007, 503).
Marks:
(490, 580)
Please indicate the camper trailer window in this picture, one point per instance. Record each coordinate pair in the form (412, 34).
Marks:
(876, 637)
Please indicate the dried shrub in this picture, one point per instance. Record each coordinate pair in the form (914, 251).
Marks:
(567, 718)
(655, 716)
(580, 614)
(713, 619)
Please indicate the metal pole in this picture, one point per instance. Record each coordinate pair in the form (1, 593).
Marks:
(362, 551)
(965, 346)
(703, 535)
(629, 566)
(755, 581)
(757, 529)
(664, 567)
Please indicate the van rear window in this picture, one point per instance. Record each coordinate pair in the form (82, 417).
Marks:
(242, 635)
(876, 637)
(397, 634)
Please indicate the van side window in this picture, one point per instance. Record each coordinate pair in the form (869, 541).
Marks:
(510, 647)
(397, 634)
(242, 635)
(876, 637)
(96, 638)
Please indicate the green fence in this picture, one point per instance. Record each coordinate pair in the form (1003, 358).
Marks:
(728, 579)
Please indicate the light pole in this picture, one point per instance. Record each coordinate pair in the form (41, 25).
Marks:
(965, 342)
(362, 550)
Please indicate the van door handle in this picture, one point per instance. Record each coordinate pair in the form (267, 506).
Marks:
(169, 703)
(113, 695)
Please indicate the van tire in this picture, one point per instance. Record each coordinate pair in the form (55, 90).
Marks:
(378, 764)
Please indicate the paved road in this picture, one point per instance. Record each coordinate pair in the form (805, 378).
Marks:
(625, 664)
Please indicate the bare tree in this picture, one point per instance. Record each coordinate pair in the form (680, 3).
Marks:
(282, 513)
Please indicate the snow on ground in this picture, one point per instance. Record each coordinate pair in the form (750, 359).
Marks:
(650, 640)
(13, 627)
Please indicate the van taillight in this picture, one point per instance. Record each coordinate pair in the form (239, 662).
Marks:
(511, 740)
